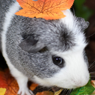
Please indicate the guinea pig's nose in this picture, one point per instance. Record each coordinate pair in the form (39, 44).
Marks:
(80, 83)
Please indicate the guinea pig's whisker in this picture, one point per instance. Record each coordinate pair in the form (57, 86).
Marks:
(69, 91)
(92, 77)
(92, 65)
(92, 72)
(90, 35)
(65, 92)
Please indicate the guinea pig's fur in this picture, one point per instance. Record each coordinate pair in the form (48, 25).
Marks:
(29, 44)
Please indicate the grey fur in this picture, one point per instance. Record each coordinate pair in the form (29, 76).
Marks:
(47, 33)
(4, 6)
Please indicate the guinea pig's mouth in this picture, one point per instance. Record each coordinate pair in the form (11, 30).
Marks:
(55, 88)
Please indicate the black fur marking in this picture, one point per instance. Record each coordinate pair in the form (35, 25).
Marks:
(67, 40)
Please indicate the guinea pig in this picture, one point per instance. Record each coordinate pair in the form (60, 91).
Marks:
(48, 52)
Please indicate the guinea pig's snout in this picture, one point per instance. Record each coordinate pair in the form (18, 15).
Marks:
(80, 82)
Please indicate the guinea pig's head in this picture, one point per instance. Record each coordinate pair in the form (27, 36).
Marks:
(57, 49)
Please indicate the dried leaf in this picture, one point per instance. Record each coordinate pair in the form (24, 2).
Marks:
(47, 9)
(45, 93)
(93, 84)
(8, 82)
(2, 91)
(33, 86)
(58, 92)
(3, 82)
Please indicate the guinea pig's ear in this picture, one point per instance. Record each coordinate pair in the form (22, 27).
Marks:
(84, 24)
(71, 18)
(30, 44)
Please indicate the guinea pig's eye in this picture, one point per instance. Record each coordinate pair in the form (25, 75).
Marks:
(58, 61)
(43, 50)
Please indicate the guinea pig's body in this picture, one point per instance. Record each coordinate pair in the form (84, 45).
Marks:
(48, 52)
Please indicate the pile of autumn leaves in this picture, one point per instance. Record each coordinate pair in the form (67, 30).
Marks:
(9, 86)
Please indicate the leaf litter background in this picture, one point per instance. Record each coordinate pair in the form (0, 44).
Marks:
(83, 8)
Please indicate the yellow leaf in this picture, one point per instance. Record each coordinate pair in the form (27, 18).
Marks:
(2, 91)
(58, 92)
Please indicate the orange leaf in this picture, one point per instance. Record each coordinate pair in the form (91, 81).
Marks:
(33, 86)
(8, 82)
(3, 83)
(47, 9)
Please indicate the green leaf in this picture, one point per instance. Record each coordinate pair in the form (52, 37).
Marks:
(85, 90)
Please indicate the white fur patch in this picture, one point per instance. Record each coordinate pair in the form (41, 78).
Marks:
(8, 18)
(69, 19)
(21, 79)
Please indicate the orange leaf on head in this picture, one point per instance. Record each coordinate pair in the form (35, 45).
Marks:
(47, 9)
